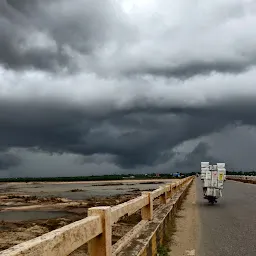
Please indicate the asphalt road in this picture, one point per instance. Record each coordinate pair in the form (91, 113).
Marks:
(228, 228)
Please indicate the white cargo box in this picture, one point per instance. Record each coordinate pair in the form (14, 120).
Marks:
(209, 192)
(221, 165)
(207, 183)
(217, 192)
(205, 164)
(203, 172)
(202, 175)
(211, 167)
(222, 169)
(220, 184)
(214, 179)
(208, 175)
(215, 175)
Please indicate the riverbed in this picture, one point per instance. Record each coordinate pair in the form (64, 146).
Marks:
(28, 210)
(79, 190)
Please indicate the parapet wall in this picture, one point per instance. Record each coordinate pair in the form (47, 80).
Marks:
(244, 179)
(153, 233)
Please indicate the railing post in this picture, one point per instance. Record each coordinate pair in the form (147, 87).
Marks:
(169, 193)
(179, 186)
(147, 211)
(174, 188)
(102, 244)
(163, 197)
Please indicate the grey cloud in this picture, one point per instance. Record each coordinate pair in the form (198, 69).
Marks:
(17, 49)
(137, 85)
(94, 159)
(49, 35)
(191, 162)
(192, 68)
(43, 164)
(236, 145)
(202, 42)
(86, 35)
(8, 160)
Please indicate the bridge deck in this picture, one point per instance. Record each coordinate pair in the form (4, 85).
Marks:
(229, 227)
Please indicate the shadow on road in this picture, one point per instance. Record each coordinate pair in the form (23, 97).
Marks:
(206, 204)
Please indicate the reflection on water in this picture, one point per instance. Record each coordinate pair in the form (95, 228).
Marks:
(30, 215)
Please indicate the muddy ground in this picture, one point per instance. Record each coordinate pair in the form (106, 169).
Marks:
(15, 232)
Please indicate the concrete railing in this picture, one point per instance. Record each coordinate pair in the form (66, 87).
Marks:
(242, 178)
(96, 229)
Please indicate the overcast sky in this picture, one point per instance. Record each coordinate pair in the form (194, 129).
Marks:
(126, 86)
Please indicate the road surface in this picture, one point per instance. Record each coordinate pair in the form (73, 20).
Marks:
(228, 228)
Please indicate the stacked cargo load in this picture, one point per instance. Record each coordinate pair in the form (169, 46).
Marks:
(214, 180)
(205, 166)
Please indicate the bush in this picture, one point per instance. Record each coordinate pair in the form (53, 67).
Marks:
(162, 251)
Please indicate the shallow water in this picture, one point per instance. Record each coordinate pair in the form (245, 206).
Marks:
(30, 215)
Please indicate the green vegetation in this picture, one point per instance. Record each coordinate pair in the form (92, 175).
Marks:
(162, 251)
(95, 178)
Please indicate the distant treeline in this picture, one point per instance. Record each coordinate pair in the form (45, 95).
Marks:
(96, 178)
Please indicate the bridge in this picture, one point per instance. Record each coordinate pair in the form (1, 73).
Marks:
(227, 228)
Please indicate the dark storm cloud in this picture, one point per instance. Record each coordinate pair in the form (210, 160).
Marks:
(191, 162)
(153, 133)
(133, 139)
(142, 133)
(8, 160)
